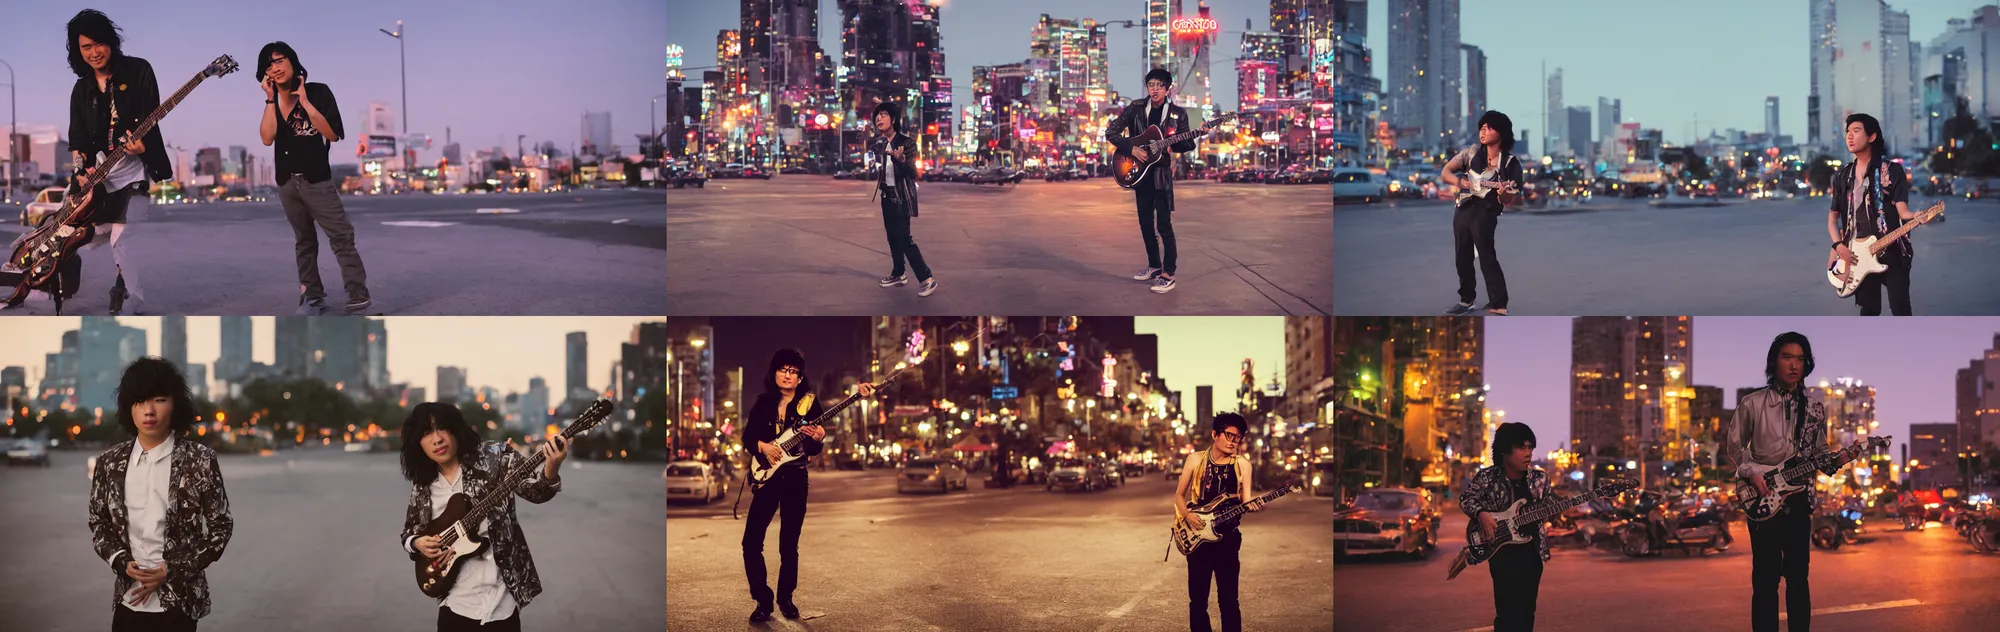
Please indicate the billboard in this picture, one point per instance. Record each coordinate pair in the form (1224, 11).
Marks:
(378, 146)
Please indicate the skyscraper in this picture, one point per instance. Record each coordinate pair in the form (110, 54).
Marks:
(1978, 402)
(60, 372)
(535, 406)
(235, 358)
(338, 351)
(1861, 64)
(292, 345)
(1630, 387)
(375, 373)
(1475, 91)
(174, 340)
(1965, 62)
(1771, 118)
(1423, 72)
(1356, 92)
(597, 132)
(451, 384)
(1555, 133)
(1850, 410)
(105, 348)
(1159, 34)
(576, 366)
(1192, 48)
(1577, 131)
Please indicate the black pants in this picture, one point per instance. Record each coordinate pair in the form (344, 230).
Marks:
(1517, 583)
(1156, 225)
(449, 621)
(1780, 548)
(1218, 559)
(1472, 228)
(896, 221)
(125, 619)
(785, 496)
(1896, 279)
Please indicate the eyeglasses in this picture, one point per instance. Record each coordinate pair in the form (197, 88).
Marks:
(788, 371)
(1232, 436)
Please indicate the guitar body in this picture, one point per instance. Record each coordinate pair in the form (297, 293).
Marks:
(1510, 531)
(41, 253)
(1187, 539)
(1129, 170)
(1845, 281)
(436, 576)
(1761, 508)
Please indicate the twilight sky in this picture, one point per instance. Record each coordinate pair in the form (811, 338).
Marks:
(488, 70)
(995, 32)
(1912, 363)
(1673, 64)
(503, 353)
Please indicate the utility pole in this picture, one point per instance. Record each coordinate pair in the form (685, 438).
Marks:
(403, 62)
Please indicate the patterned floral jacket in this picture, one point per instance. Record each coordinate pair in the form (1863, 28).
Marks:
(509, 545)
(1489, 490)
(198, 525)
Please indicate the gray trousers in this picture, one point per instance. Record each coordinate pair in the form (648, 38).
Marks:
(307, 204)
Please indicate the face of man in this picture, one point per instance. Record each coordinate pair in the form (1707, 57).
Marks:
(1858, 138)
(1156, 90)
(280, 70)
(1487, 136)
(1792, 359)
(1229, 440)
(95, 54)
(1521, 458)
(883, 124)
(788, 377)
(441, 446)
(154, 418)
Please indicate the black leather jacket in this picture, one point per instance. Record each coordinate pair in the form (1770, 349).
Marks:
(1133, 121)
(906, 167)
(132, 86)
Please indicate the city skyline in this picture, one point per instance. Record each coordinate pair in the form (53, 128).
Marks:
(1603, 52)
(1914, 369)
(503, 353)
(994, 34)
(545, 63)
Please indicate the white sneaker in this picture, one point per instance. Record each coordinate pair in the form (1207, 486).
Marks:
(930, 285)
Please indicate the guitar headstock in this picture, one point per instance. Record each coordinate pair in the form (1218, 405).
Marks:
(1880, 442)
(591, 417)
(1218, 120)
(1931, 213)
(221, 66)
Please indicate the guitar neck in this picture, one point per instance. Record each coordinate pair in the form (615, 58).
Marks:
(1810, 464)
(1894, 235)
(1269, 496)
(516, 476)
(116, 152)
(829, 413)
(1543, 512)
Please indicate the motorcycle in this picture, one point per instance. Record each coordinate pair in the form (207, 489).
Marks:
(1653, 529)
(1830, 530)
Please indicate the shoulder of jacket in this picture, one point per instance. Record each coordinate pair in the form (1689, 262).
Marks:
(120, 451)
(1757, 394)
(197, 450)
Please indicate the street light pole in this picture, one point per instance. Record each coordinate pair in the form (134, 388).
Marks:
(7, 194)
(405, 69)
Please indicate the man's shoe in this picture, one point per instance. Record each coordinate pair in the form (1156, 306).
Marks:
(1148, 275)
(761, 614)
(893, 281)
(790, 610)
(1163, 285)
(1494, 311)
(310, 307)
(118, 295)
(1459, 309)
(358, 305)
(930, 285)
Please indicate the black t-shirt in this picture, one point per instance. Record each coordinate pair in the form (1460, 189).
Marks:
(1520, 486)
(299, 147)
(1872, 203)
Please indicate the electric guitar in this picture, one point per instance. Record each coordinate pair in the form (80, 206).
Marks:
(1521, 522)
(39, 254)
(456, 525)
(1129, 170)
(1221, 513)
(1482, 184)
(1795, 475)
(1846, 280)
(792, 441)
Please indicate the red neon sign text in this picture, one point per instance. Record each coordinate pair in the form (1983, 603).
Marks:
(1194, 25)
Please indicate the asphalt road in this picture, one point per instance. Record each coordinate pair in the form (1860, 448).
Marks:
(1892, 580)
(1016, 559)
(1629, 258)
(811, 245)
(316, 548)
(593, 252)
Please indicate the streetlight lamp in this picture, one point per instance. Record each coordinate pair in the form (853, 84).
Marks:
(404, 69)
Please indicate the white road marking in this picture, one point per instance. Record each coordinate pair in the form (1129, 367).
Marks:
(497, 211)
(419, 224)
(1132, 603)
(620, 220)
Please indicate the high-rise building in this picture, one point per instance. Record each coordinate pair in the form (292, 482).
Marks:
(576, 366)
(643, 363)
(451, 384)
(1934, 456)
(1204, 404)
(1308, 362)
(14, 384)
(1609, 113)
(1899, 85)
(60, 374)
(1475, 90)
(1965, 61)
(1556, 127)
(1193, 44)
(1978, 401)
(208, 162)
(1850, 410)
(597, 131)
(337, 352)
(105, 348)
(197, 379)
(1578, 132)
(1861, 59)
(1159, 33)
(1630, 388)
(234, 360)
(1710, 418)
(1771, 117)
(174, 340)
(375, 371)
(535, 407)
(1356, 92)
(292, 346)
(1423, 72)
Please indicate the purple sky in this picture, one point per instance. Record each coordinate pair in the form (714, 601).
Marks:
(489, 70)
(1912, 363)
(994, 32)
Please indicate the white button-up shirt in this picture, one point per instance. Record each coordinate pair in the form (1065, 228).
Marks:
(148, 476)
(479, 593)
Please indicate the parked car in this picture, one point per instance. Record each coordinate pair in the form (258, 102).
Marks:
(29, 452)
(696, 481)
(857, 174)
(1321, 480)
(46, 203)
(1357, 184)
(795, 171)
(925, 474)
(757, 172)
(996, 175)
(1074, 474)
(681, 177)
(1387, 520)
(1113, 475)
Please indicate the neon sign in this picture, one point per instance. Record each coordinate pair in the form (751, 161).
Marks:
(673, 56)
(1192, 26)
(1110, 380)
